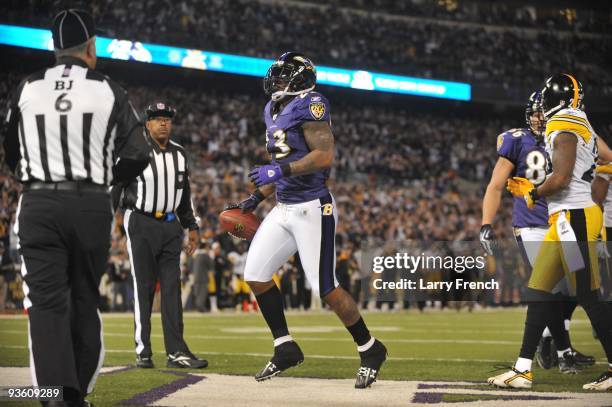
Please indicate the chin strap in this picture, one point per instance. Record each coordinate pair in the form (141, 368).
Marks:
(278, 95)
(554, 109)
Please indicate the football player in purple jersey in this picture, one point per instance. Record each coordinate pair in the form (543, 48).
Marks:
(300, 142)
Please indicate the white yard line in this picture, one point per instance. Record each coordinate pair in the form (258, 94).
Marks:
(203, 352)
(312, 339)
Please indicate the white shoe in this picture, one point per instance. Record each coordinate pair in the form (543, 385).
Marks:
(603, 383)
(513, 379)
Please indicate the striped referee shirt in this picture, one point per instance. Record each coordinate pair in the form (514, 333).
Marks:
(163, 186)
(71, 123)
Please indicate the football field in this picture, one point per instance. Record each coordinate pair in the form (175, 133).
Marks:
(435, 357)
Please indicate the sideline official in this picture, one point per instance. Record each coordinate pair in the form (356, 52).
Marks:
(70, 132)
(153, 201)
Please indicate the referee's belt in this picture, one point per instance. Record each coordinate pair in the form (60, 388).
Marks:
(81, 186)
(166, 217)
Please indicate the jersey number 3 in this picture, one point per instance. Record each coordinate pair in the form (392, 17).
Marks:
(281, 149)
(536, 167)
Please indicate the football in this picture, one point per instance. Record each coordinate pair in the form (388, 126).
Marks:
(236, 223)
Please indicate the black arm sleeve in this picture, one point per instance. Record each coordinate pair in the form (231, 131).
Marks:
(131, 146)
(10, 132)
(185, 210)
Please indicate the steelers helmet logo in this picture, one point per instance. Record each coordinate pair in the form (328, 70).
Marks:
(317, 110)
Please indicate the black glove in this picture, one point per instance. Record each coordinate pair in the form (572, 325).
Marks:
(249, 204)
(488, 240)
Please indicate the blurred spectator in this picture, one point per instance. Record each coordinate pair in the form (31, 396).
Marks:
(201, 267)
(480, 44)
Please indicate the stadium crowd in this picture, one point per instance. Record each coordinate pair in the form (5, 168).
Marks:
(396, 177)
(534, 15)
(386, 40)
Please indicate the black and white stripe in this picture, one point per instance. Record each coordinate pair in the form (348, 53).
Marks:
(161, 185)
(64, 124)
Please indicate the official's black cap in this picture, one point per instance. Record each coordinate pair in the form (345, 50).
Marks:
(160, 109)
(71, 28)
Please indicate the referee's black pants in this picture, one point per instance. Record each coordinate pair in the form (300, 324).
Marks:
(154, 247)
(64, 239)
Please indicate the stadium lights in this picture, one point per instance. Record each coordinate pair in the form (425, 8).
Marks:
(36, 38)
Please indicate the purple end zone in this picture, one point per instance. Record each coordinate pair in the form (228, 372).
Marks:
(436, 398)
(427, 398)
(158, 393)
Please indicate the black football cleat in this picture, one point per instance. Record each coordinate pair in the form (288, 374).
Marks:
(554, 357)
(567, 363)
(185, 360)
(371, 361)
(583, 360)
(543, 353)
(144, 362)
(286, 355)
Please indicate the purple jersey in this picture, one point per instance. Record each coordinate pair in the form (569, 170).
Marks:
(286, 143)
(529, 159)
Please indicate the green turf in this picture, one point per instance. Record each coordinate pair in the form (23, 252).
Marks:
(447, 345)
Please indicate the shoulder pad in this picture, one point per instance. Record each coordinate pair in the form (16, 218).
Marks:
(315, 103)
(570, 111)
(517, 133)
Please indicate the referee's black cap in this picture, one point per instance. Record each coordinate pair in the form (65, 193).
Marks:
(160, 109)
(72, 27)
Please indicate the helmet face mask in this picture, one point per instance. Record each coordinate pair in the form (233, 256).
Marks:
(537, 123)
(534, 115)
(292, 74)
(561, 91)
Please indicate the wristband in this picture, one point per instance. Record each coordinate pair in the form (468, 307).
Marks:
(286, 170)
(258, 195)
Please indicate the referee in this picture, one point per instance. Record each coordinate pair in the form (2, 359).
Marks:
(70, 132)
(157, 208)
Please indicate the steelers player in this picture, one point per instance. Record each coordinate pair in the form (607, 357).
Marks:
(301, 145)
(602, 194)
(569, 246)
(521, 153)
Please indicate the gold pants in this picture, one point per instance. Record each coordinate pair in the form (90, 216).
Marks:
(557, 259)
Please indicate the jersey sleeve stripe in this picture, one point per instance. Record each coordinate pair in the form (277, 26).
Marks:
(566, 116)
(571, 126)
(578, 122)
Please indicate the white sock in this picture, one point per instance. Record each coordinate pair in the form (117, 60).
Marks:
(523, 365)
(366, 345)
(546, 333)
(567, 324)
(282, 339)
(213, 303)
(560, 353)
